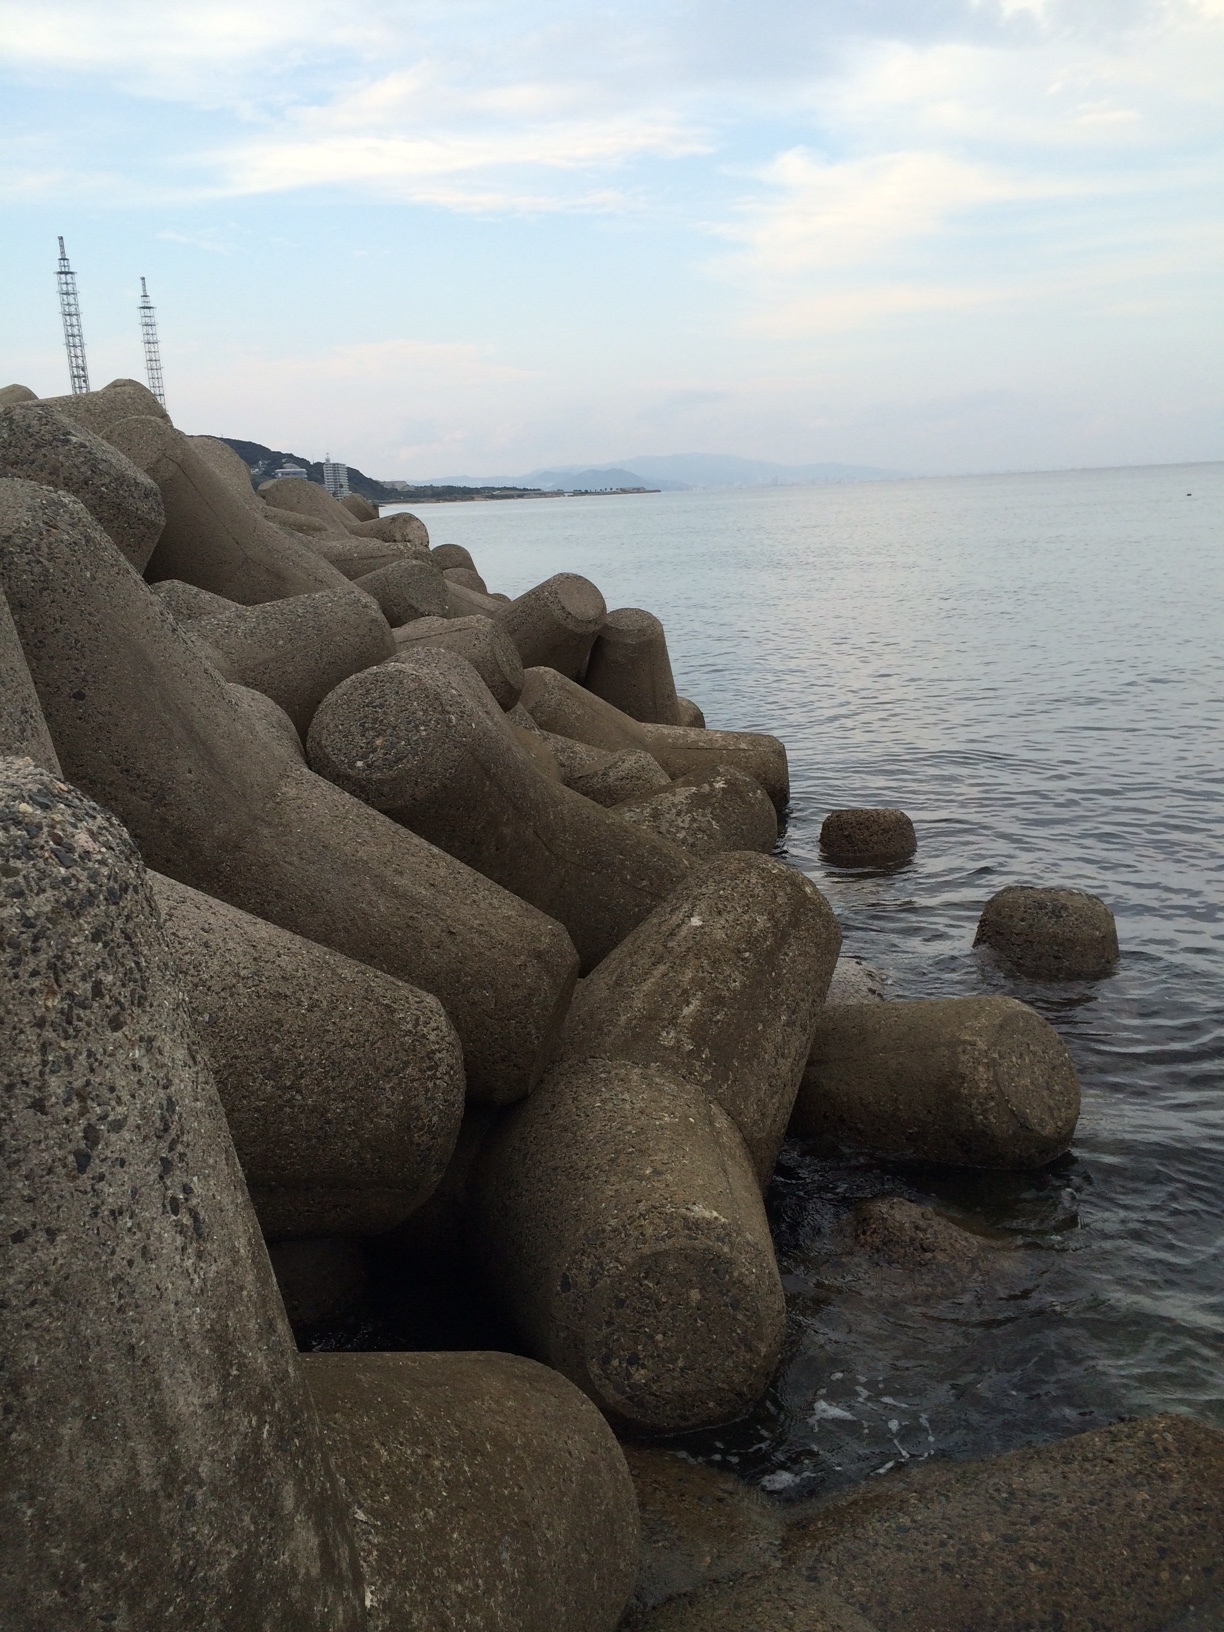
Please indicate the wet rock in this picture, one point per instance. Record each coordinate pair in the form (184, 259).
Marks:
(23, 730)
(1050, 934)
(721, 986)
(343, 1087)
(708, 812)
(163, 1464)
(699, 1526)
(423, 740)
(487, 1492)
(1116, 1530)
(621, 777)
(630, 668)
(39, 444)
(486, 647)
(618, 1218)
(555, 623)
(968, 1081)
(927, 1255)
(856, 982)
(868, 837)
(406, 590)
(319, 1280)
(776, 1601)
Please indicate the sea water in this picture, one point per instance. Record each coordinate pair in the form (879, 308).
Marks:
(1033, 667)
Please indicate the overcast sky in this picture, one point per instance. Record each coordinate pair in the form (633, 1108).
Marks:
(937, 235)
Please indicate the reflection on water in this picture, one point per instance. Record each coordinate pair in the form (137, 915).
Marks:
(1032, 667)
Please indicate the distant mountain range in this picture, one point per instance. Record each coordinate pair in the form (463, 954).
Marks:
(676, 472)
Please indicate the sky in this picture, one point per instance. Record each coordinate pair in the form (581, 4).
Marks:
(442, 236)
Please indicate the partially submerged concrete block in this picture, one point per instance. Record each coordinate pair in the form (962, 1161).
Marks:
(407, 589)
(298, 649)
(343, 1087)
(968, 1081)
(618, 1217)
(23, 730)
(39, 444)
(486, 647)
(556, 623)
(630, 668)
(423, 740)
(146, 724)
(722, 986)
(707, 813)
(868, 837)
(488, 1493)
(163, 1462)
(1050, 934)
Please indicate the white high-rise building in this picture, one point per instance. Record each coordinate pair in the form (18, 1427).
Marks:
(335, 478)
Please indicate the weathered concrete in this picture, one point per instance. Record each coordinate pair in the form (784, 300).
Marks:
(856, 982)
(451, 555)
(39, 444)
(311, 526)
(23, 730)
(145, 724)
(970, 1081)
(299, 649)
(687, 713)
(556, 623)
(868, 837)
(468, 603)
(559, 705)
(489, 1495)
(407, 589)
(435, 1232)
(486, 647)
(343, 1087)
(707, 813)
(784, 1600)
(360, 509)
(268, 723)
(722, 986)
(100, 411)
(16, 393)
(399, 527)
(1116, 1530)
(319, 1280)
(308, 499)
(230, 466)
(423, 740)
(357, 558)
(187, 602)
(163, 1464)
(1051, 934)
(466, 578)
(630, 668)
(618, 1218)
(620, 777)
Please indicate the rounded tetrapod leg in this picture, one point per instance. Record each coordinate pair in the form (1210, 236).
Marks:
(357, 558)
(16, 393)
(559, 705)
(163, 1464)
(486, 647)
(101, 411)
(488, 1492)
(617, 1215)
(555, 623)
(1050, 934)
(343, 1087)
(360, 509)
(687, 713)
(407, 589)
(462, 602)
(682, 751)
(23, 731)
(230, 466)
(708, 813)
(868, 837)
(446, 556)
(308, 499)
(39, 444)
(268, 723)
(146, 725)
(299, 649)
(723, 986)
(423, 740)
(620, 777)
(187, 603)
(969, 1081)
(630, 668)
(399, 527)
(466, 578)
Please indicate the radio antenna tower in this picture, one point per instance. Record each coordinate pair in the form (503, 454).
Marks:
(152, 351)
(70, 311)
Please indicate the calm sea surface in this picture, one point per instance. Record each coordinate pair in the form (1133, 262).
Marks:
(1033, 667)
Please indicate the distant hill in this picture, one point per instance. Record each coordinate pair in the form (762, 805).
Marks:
(591, 479)
(677, 472)
(264, 462)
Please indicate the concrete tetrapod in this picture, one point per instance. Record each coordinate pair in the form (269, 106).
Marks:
(423, 740)
(1050, 934)
(407, 589)
(308, 499)
(466, 578)
(146, 725)
(163, 1462)
(708, 812)
(451, 555)
(470, 603)
(555, 623)
(100, 411)
(360, 509)
(343, 1087)
(687, 713)
(870, 836)
(630, 668)
(38, 443)
(721, 986)
(16, 393)
(570, 710)
(23, 730)
(489, 1493)
(357, 558)
(187, 602)
(620, 777)
(298, 649)
(486, 647)
(617, 1216)
(967, 1081)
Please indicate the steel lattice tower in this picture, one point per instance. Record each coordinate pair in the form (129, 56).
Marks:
(70, 311)
(152, 351)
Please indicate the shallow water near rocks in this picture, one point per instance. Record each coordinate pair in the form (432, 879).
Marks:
(1031, 666)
